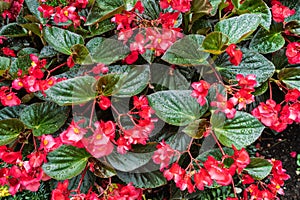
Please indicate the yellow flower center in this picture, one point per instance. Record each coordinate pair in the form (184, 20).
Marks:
(4, 191)
(45, 142)
(76, 130)
(99, 136)
(66, 13)
(33, 64)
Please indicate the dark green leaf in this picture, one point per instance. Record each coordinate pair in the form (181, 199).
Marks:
(215, 43)
(61, 40)
(258, 7)
(73, 91)
(201, 6)
(11, 112)
(152, 8)
(47, 52)
(27, 51)
(241, 131)
(267, 41)
(134, 82)
(129, 161)
(279, 59)
(44, 118)
(66, 162)
(87, 182)
(252, 63)
(187, 51)
(214, 152)
(176, 107)
(10, 130)
(143, 180)
(13, 30)
(167, 78)
(290, 76)
(33, 27)
(107, 50)
(259, 168)
(104, 9)
(81, 54)
(238, 28)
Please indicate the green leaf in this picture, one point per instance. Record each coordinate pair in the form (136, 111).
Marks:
(151, 8)
(258, 7)
(215, 43)
(61, 40)
(107, 50)
(196, 128)
(176, 107)
(81, 54)
(33, 27)
(152, 179)
(47, 51)
(13, 30)
(104, 9)
(237, 28)
(11, 112)
(107, 84)
(267, 41)
(290, 76)
(187, 51)
(44, 118)
(134, 82)
(201, 6)
(259, 168)
(10, 130)
(215, 5)
(167, 78)
(4, 65)
(129, 161)
(101, 27)
(241, 131)
(252, 63)
(102, 169)
(88, 181)
(73, 91)
(33, 5)
(214, 152)
(23, 63)
(66, 162)
(27, 51)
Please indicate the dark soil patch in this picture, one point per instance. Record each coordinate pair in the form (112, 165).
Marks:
(279, 147)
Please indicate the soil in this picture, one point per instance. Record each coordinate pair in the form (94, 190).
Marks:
(279, 147)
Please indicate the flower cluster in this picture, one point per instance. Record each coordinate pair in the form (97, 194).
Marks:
(267, 191)
(22, 175)
(32, 82)
(276, 116)
(155, 35)
(195, 176)
(64, 14)
(180, 5)
(119, 191)
(143, 125)
(241, 96)
(14, 9)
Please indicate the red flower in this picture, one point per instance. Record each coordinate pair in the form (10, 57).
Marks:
(242, 98)
(104, 103)
(10, 99)
(293, 52)
(2, 38)
(241, 158)
(70, 62)
(168, 20)
(227, 107)
(126, 192)
(8, 52)
(248, 82)
(175, 172)
(280, 12)
(46, 10)
(247, 179)
(267, 112)
(234, 54)
(180, 5)
(217, 171)
(11, 157)
(61, 192)
(202, 179)
(200, 91)
(132, 57)
(292, 95)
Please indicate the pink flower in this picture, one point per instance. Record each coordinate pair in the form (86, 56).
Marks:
(200, 91)
(242, 98)
(267, 112)
(48, 143)
(202, 179)
(293, 154)
(8, 52)
(163, 155)
(241, 158)
(10, 99)
(247, 82)
(180, 5)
